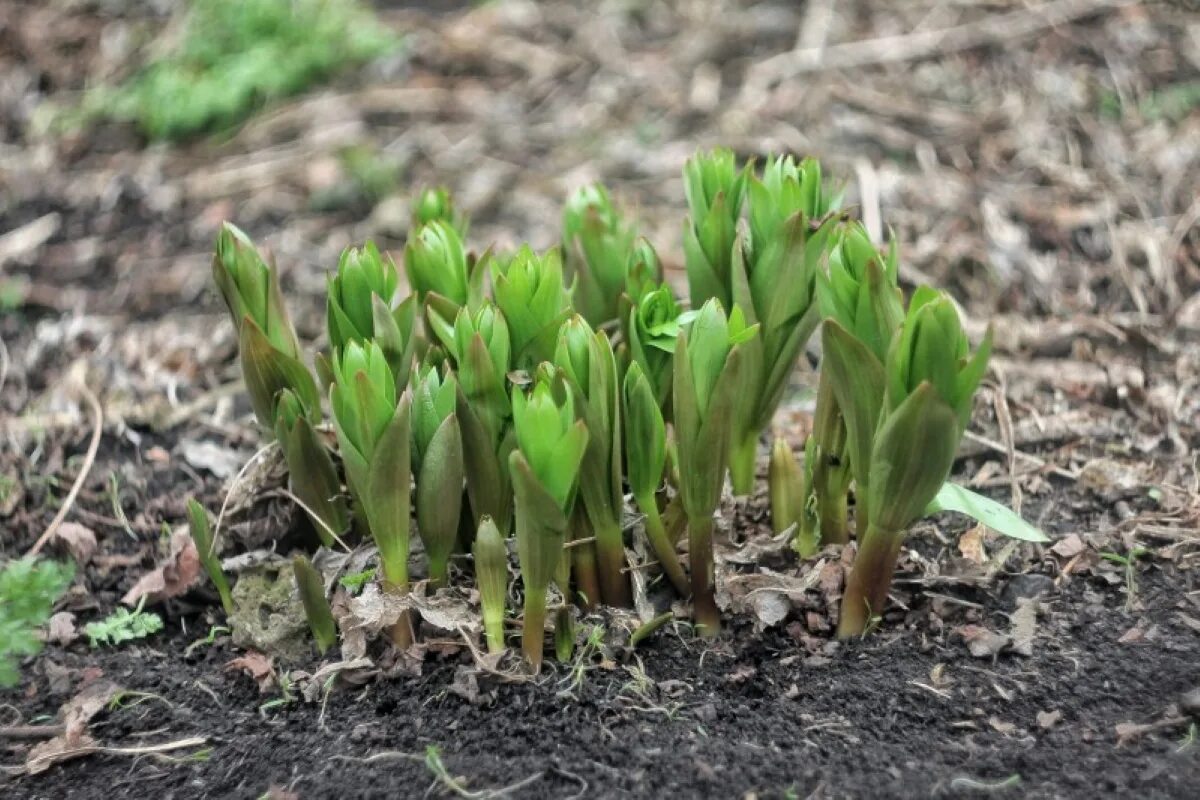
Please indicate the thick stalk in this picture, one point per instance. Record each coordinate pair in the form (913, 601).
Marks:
(583, 557)
(493, 626)
(869, 582)
(664, 549)
(610, 557)
(743, 460)
(395, 581)
(533, 627)
(700, 553)
(439, 572)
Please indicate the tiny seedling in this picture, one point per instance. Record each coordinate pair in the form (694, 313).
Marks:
(286, 695)
(1129, 562)
(354, 582)
(207, 641)
(123, 625)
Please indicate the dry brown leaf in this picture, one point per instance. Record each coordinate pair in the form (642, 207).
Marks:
(171, 578)
(1069, 546)
(970, 544)
(1024, 626)
(981, 642)
(61, 628)
(79, 541)
(257, 666)
(74, 741)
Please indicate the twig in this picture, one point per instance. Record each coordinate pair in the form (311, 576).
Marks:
(88, 460)
(992, 29)
(233, 485)
(32, 731)
(153, 749)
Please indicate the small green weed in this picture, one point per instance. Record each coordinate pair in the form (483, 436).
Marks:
(28, 591)
(123, 625)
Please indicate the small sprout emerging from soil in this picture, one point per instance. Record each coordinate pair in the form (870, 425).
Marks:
(785, 489)
(316, 606)
(437, 463)
(646, 458)
(773, 278)
(707, 371)
(29, 588)
(491, 575)
(201, 532)
(123, 625)
(374, 436)
(930, 379)
(590, 368)
(545, 470)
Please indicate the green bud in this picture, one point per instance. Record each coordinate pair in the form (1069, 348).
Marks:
(436, 263)
(437, 462)
(784, 487)
(785, 189)
(644, 271)
(933, 348)
(549, 436)
(715, 192)
(201, 531)
(436, 204)
(598, 243)
(251, 289)
(316, 605)
(311, 471)
(860, 291)
(363, 396)
(491, 577)
(587, 361)
(652, 329)
(529, 291)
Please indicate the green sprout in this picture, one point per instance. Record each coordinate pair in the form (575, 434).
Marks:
(785, 486)
(773, 279)
(651, 328)
(479, 346)
(436, 204)
(599, 246)
(316, 606)
(491, 576)
(435, 259)
(201, 532)
(707, 372)
(437, 463)
(545, 471)
(586, 359)
(928, 384)
(269, 350)
(361, 307)
(859, 293)
(715, 192)
(373, 432)
(529, 291)
(646, 459)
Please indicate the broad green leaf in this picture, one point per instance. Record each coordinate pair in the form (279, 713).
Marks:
(998, 517)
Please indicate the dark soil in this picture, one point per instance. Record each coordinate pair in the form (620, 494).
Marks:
(748, 714)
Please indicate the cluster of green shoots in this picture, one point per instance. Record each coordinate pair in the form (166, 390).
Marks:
(523, 396)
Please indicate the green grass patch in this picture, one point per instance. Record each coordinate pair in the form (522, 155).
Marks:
(233, 56)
